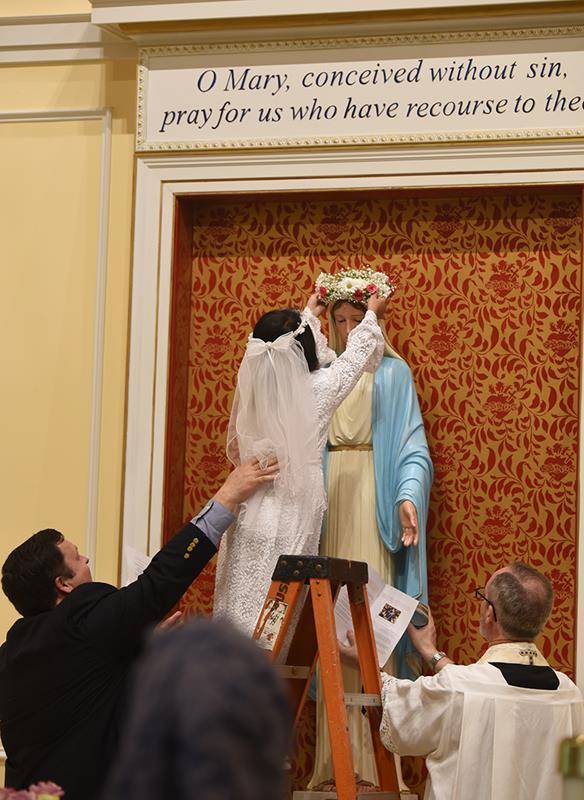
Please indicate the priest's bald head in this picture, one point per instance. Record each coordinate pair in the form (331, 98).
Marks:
(516, 603)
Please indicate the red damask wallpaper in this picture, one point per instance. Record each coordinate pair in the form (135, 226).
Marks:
(487, 314)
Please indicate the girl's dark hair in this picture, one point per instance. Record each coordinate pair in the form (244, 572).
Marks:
(276, 323)
(209, 719)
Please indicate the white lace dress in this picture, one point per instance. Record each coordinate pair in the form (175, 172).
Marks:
(247, 557)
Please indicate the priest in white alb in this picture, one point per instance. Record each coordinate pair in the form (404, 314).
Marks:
(491, 730)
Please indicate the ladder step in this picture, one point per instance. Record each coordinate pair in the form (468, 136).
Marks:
(286, 671)
(358, 699)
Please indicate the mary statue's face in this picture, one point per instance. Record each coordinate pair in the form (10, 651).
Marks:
(346, 317)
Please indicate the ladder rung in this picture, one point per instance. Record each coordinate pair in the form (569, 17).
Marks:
(358, 699)
(287, 671)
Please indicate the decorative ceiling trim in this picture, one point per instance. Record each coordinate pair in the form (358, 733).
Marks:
(58, 38)
(350, 42)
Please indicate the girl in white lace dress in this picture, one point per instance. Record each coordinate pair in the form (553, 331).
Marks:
(283, 407)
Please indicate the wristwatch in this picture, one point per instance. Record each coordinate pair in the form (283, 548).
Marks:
(438, 656)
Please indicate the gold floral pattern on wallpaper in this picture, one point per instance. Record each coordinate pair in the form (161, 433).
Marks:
(487, 314)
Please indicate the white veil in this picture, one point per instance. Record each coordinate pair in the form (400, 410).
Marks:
(274, 415)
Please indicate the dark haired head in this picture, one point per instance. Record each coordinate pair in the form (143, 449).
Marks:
(208, 719)
(276, 323)
(29, 573)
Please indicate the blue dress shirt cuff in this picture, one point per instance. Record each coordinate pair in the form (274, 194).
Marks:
(213, 520)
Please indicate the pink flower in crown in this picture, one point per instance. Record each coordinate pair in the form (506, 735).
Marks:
(501, 400)
(371, 288)
(563, 584)
(323, 291)
(559, 463)
(443, 340)
(498, 525)
(503, 279)
(562, 339)
(46, 787)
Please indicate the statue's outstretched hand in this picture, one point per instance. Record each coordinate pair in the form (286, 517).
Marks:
(408, 520)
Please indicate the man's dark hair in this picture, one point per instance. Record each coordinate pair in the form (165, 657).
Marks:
(209, 718)
(29, 572)
(523, 600)
(276, 323)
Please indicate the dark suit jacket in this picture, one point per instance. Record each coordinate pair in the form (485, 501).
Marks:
(63, 673)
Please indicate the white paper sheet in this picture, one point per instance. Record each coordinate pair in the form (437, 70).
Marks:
(391, 612)
(135, 563)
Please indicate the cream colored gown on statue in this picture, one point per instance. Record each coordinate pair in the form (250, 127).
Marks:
(351, 532)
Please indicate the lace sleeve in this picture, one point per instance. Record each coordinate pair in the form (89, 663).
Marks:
(364, 349)
(419, 716)
(385, 729)
(323, 352)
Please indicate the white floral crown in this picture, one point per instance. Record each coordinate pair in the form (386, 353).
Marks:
(354, 285)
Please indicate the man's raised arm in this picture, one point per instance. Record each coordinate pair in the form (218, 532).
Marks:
(122, 615)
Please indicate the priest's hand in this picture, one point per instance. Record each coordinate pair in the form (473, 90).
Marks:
(408, 520)
(314, 305)
(349, 651)
(424, 639)
(244, 481)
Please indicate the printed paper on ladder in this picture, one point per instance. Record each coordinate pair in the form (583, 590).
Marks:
(391, 612)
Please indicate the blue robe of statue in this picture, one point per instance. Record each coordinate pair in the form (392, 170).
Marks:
(403, 471)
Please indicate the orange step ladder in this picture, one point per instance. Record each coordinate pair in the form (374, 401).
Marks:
(288, 600)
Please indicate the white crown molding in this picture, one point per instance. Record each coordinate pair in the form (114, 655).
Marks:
(94, 459)
(61, 37)
(160, 22)
(132, 11)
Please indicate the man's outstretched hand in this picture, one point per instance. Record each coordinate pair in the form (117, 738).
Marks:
(173, 621)
(244, 481)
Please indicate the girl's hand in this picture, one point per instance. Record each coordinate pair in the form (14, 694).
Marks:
(315, 306)
(377, 304)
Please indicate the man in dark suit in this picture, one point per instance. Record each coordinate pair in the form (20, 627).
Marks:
(65, 665)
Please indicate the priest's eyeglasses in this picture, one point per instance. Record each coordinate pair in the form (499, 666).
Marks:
(480, 596)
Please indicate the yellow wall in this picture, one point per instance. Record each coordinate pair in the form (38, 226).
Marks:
(23, 8)
(49, 213)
